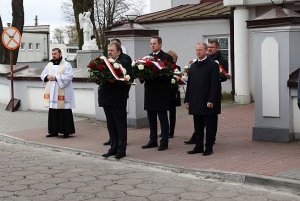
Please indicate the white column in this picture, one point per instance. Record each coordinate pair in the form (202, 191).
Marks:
(241, 56)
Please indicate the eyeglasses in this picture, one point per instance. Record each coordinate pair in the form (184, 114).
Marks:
(212, 47)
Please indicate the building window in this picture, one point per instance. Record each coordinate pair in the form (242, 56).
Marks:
(224, 45)
(22, 46)
(37, 46)
(30, 46)
(72, 50)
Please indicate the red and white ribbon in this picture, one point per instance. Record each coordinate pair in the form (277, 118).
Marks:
(112, 70)
(153, 62)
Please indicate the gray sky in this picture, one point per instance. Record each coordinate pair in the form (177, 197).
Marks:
(48, 11)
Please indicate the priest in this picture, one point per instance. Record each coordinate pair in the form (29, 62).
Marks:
(59, 95)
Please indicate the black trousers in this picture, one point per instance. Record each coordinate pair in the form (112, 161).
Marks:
(60, 121)
(172, 117)
(210, 123)
(117, 128)
(164, 124)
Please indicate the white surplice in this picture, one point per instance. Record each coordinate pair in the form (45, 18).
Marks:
(63, 81)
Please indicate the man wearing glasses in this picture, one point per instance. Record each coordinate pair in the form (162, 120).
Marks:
(215, 54)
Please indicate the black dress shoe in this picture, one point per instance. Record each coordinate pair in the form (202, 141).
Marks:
(191, 141)
(195, 151)
(120, 155)
(52, 135)
(66, 136)
(107, 143)
(207, 152)
(108, 154)
(150, 145)
(162, 147)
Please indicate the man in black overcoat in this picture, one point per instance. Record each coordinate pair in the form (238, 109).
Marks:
(203, 99)
(121, 57)
(157, 99)
(215, 54)
(113, 97)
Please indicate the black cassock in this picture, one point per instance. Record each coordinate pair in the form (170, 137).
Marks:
(60, 121)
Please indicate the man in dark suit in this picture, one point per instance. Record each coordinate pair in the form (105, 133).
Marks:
(215, 54)
(113, 98)
(157, 99)
(213, 50)
(203, 99)
(122, 57)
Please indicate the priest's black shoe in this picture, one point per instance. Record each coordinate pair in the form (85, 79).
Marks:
(207, 152)
(162, 147)
(150, 145)
(108, 154)
(66, 136)
(191, 141)
(195, 151)
(120, 155)
(52, 135)
(107, 143)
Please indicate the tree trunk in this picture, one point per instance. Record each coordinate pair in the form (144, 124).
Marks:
(2, 49)
(78, 8)
(18, 21)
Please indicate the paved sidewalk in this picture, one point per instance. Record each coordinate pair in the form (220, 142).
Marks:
(234, 152)
(35, 174)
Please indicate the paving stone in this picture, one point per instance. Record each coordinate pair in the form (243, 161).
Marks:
(170, 190)
(118, 187)
(140, 192)
(111, 194)
(163, 197)
(194, 196)
(72, 185)
(249, 198)
(78, 196)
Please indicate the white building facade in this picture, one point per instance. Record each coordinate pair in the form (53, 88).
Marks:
(34, 44)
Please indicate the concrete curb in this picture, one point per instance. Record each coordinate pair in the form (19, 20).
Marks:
(288, 185)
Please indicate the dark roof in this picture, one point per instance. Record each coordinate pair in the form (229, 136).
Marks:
(205, 10)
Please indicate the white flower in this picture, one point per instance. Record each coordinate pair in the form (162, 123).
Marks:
(141, 67)
(176, 71)
(116, 65)
(173, 81)
(102, 57)
(148, 57)
(127, 77)
(133, 63)
(124, 71)
(111, 60)
(186, 67)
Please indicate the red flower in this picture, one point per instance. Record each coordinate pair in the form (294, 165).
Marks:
(154, 69)
(166, 62)
(92, 64)
(97, 59)
(174, 66)
(155, 58)
(148, 62)
(101, 66)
